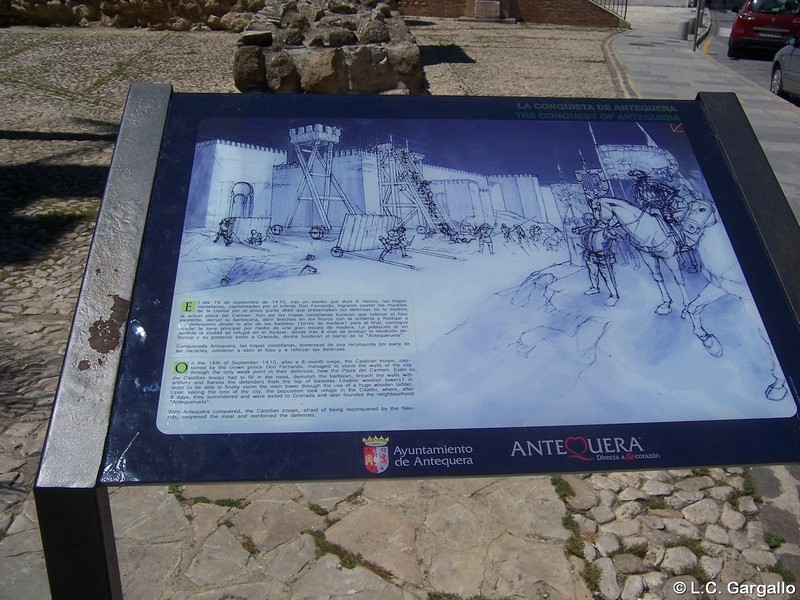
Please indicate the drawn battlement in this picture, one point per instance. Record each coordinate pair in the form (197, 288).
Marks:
(513, 176)
(217, 141)
(352, 152)
(462, 180)
(462, 173)
(312, 133)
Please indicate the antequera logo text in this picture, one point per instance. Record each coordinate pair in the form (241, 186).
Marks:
(586, 449)
(378, 456)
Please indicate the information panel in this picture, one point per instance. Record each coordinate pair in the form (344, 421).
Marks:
(339, 287)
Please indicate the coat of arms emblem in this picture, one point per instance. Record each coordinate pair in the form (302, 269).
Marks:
(376, 453)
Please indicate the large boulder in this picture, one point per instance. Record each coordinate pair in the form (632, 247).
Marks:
(371, 70)
(235, 21)
(282, 74)
(327, 73)
(250, 69)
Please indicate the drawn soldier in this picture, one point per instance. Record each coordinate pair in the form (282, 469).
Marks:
(446, 230)
(256, 239)
(395, 240)
(506, 232)
(451, 233)
(521, 237)
(596, 239)
(484, 235)
(224, 231)
(553, 240)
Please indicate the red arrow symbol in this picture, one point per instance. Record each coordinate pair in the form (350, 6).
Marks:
(676, 128)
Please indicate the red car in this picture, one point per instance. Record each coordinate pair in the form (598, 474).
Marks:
(764, 24)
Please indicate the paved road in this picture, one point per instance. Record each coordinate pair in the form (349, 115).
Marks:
(61, 95)
(755, 66)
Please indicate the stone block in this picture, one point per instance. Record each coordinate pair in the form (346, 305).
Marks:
(220, 559)
(327, 73)
(249, 69)
(731, 518)
(678, 560)
(281, 74)
(628, 564)
(584, 498)
(634, 588)
(609, 588)
(530, 569)
(275, 520)
(704, 512)
(370, 71)
(487, 10)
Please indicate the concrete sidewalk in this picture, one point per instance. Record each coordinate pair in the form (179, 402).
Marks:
(662, 66)
(60, 100)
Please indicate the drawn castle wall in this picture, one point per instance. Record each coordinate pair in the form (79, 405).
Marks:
(550, 210)
(521, 195)
(465, 196)
(434, 173)
(357, 173)
(518, 194)
(461, 199)
(218, 166)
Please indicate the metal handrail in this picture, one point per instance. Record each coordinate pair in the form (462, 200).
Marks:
(618, 7)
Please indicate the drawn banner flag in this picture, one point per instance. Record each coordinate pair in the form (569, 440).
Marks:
(618, 161)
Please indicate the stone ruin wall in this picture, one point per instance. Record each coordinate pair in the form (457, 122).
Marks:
(328, 46)
(176, 15)
(235, 15)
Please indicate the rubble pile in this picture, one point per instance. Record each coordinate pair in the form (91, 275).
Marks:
(328, 46)
(183, 15)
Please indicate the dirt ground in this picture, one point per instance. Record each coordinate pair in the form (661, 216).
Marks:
(517, 60)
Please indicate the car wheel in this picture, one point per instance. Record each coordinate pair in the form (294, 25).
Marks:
(776, 83)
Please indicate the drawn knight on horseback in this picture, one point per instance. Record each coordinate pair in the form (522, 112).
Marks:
(658, 197)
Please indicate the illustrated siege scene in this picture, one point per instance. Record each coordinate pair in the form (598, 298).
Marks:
(592, 281)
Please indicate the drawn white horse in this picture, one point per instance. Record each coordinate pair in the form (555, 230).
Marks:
(706, 234)
(656, 246)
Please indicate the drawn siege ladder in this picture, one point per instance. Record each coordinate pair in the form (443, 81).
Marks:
(404, 192)
(320, 187)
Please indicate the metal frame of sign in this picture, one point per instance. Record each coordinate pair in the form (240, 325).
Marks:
(163, 164)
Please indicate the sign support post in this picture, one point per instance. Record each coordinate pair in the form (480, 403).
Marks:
(74, 513)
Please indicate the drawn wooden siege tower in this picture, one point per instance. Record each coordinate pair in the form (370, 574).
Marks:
(405, 193)
(319, 185)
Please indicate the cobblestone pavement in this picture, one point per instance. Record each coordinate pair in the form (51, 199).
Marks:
(632, 535)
